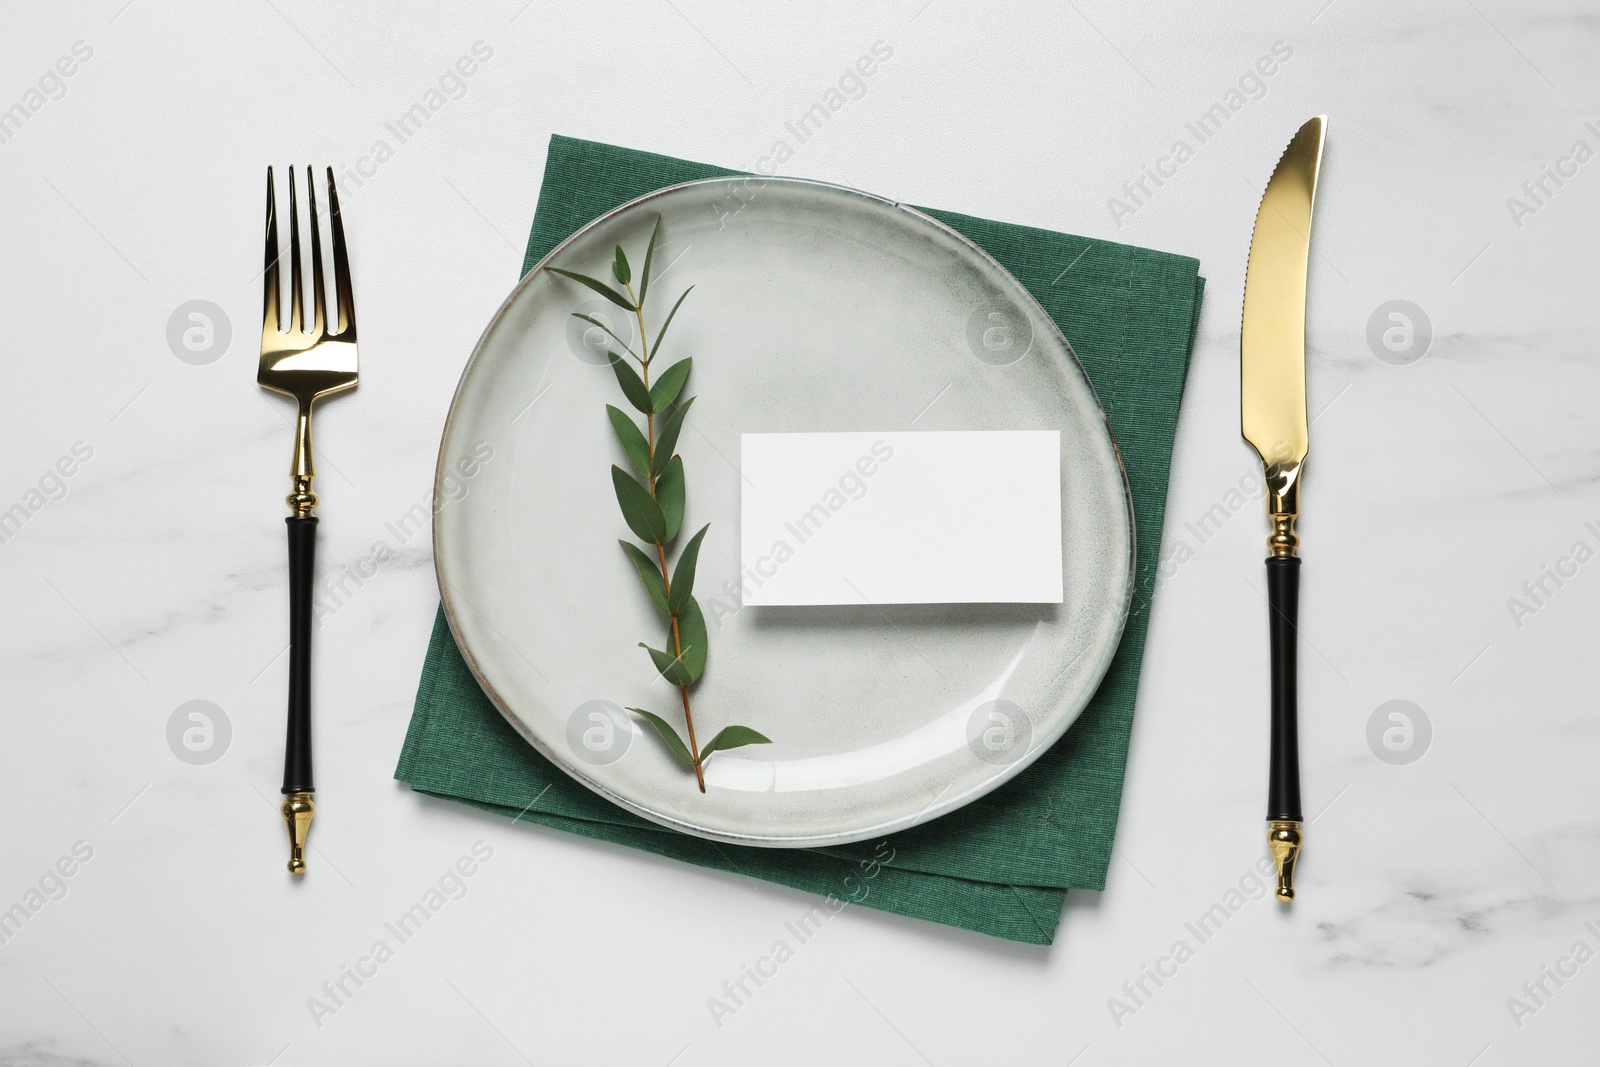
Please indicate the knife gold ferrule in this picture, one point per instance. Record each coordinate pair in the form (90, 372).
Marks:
(1283, 506)
(1282, 541)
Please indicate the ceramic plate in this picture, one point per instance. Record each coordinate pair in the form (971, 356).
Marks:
(815, 308)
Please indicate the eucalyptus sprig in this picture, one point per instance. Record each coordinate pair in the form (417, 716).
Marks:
(653, 508)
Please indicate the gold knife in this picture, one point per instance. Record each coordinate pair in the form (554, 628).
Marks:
(1272, 415)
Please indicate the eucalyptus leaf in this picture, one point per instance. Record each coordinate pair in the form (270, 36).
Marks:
(632, 438)
(668, 734)
(733, 737)
(649, 254)
(683, 573)
(649, 574)
(667, 439)
(663, 331)
(619, 268)
(639, 509)
(669, 385)
(692, 637)
(684, 669)
(632, 386)
(669, 495)
(598, 286)
(671, 667)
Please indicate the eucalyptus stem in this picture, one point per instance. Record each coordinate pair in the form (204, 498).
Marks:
(654, 508)
(661, 549)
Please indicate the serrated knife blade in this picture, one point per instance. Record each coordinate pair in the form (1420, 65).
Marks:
(1272, 333)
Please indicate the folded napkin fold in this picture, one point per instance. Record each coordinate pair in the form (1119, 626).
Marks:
(1001, 865)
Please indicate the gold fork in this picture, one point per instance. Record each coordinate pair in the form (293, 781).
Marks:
(306, 361)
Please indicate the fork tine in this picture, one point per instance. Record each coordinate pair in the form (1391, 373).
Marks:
(319, 301)
(341, 263)
(296, 306)
(270, 315)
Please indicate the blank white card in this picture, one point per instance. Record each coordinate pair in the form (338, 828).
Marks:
(943, 517)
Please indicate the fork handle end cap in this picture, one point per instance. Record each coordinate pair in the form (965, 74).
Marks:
(298, 808)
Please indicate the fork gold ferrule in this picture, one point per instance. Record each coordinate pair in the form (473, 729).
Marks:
(302, 501)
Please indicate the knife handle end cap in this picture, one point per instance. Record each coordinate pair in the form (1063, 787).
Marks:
(1283, 838)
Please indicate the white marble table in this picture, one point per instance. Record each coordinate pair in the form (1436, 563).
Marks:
(1444, 492)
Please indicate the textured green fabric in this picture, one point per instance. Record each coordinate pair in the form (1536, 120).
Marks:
(1001, 865)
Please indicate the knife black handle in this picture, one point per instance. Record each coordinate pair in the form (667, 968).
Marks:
(1283, 605)
(302, 563)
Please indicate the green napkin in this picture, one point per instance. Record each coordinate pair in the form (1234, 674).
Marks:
(1001, 865)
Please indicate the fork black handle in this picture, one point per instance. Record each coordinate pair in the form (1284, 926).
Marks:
(302, 563)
